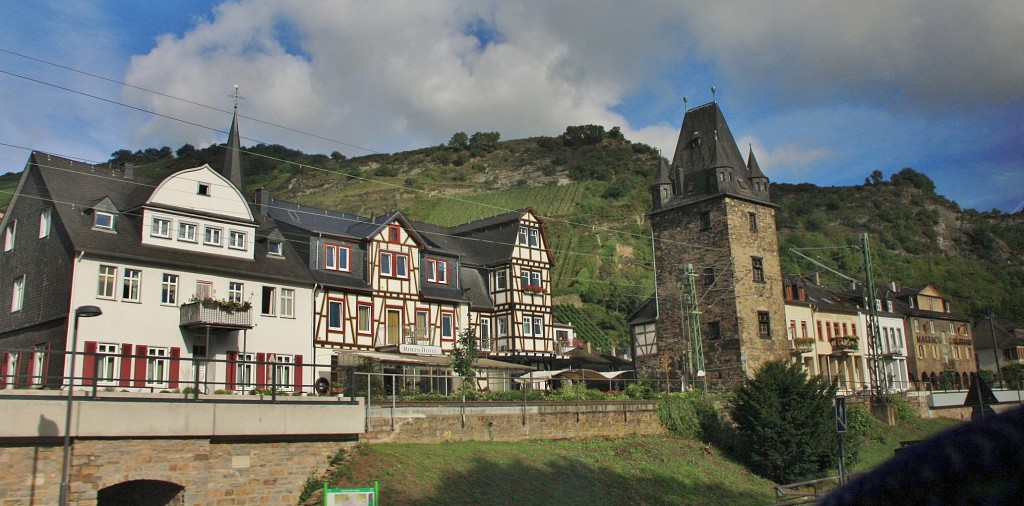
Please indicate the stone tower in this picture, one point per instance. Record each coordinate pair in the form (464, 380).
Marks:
(712, 210)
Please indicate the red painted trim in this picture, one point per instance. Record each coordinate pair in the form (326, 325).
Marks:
(232, 365)
(340, 330)
(3, 370)
(440, 322)
(298, 373)
(261, 370)
(175, 366)
(89, 364)
(358, 330)
(126, 365)
(140, 365)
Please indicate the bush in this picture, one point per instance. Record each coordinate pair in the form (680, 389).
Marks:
(639, 391)
(678, 413)
(785, 422)
(904, 412)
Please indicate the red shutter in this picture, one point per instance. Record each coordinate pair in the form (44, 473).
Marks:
(261, 370)
(140, 365)
(89, 365)
(175, 366)
(229, 376)
(298, 373)
(45, 373)
(126, 365)
(3, 370)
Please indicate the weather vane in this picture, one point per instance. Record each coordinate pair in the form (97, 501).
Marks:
(686, 106)
(713, 98)
(237, 97)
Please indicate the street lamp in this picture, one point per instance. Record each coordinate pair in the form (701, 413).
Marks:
(80, 312)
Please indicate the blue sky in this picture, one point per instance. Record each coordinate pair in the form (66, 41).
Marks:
(825, 92)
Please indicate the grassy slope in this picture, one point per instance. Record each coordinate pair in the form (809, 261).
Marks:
(653, 470)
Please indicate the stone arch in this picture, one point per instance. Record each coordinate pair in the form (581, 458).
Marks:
(142, 492)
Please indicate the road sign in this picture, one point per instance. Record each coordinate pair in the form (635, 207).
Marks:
(840, 414)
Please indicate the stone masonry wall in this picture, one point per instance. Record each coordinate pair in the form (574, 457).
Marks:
(545, 421)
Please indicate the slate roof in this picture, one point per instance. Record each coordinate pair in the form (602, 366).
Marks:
(646, 313)
(1007, 333)
(824, 298)
(75, 187)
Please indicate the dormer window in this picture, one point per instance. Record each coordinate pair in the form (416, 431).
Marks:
(437, 271)
(274, 248)
(103, 221)
(211, 236)
(236, 240)
(9, 235)
(204, 189)
(529, 236)
(161, 228)
(394, 233)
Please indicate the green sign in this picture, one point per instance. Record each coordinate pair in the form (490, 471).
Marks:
(351, 496)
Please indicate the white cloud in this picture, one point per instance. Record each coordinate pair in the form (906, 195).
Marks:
(786, 161)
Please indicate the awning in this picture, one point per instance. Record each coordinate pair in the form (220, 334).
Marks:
(569, 374)
(430, 360)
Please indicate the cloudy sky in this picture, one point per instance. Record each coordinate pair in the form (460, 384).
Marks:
(826, 92)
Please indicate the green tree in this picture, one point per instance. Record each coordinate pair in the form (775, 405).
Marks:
(911, 177)
(464, 354)
(484, 142)
(459, 141)
(785, 421)
(337, 156)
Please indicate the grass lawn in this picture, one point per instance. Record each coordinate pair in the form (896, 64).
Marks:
(650, 470)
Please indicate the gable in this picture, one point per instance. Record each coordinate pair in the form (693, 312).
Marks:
(201, 189)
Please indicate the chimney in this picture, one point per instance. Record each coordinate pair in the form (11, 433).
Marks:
(128, 170)
(816, 279)
(262, 201)
(893, 287)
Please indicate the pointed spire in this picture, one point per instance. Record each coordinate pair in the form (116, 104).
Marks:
(663, 177)
(232, 169)
(752, 166)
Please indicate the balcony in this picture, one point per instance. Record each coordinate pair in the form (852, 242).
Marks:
(895, 351)
(802, 345)
(216, 314)
(845, 344)
(416, 336)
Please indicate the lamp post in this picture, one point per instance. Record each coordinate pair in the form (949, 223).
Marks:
(80, 312)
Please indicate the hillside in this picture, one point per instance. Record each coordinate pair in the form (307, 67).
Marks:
(592, 188)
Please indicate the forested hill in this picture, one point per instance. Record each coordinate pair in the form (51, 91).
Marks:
(592, 188)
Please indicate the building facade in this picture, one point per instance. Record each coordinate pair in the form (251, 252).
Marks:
(939, 342)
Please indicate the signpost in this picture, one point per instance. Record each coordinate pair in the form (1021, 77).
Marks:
(841, 430)
(351, 496)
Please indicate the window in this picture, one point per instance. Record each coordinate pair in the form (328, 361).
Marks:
(931, 327)
(18, 294)
(845, 330)
(437, 271)
(169, 289)
(705, 220)
(235, 290)
(187, 232)
(287, 306)
(422, 317)
(9, 233)
(283, 370)
(364, 318)
(853, 329)
(952, 329)
(402, 266)
(204, 290)
(336, 257)
(764, 325)
(245, 371)
(447, 326)
(529, 236)
(531, 280)
(274, 248)
(534, 237)
(335, 315)
(792, 329)
(714, 330)
(758, 267)
(161, 228)
(268, 300)
(385, 264)
(709, 276)
(106, 362)
(156, 366)
(917, 325)
(44, 223)
(103, 221)
(485, 333)
(211, 236)
(130, 289)
(394, 233)
(105, 285)
(203, 189)
(803, 329)
(821, 335)
(394, 264)
(533, 326)
(752, 218)
(236, 240)
(500, 280)
(502, 322)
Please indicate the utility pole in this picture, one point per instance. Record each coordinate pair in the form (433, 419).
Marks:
(995, 346)
(693, 321)
(879, 381)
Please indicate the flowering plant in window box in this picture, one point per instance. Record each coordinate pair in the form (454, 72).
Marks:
(533, 289)
(223, 304)
(845, 343)
(803, 344)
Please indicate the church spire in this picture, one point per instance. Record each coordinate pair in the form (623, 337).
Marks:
(232, 169)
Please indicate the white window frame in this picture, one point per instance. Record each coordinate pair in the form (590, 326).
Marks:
(10, 233)
(212, 235)
(437, 271)
(449, 318)
(131, 289)
(364, 318)
(237, 240)
(286, 307)
(401, 265)
(534, 237)
(107, 357)
(275, 248)
(335, 259)
(169, 289)
(245, 371)
(340, 304)
(45, 219)
(500, 280)
(107, 224)
(285, 367)
(18, 293)
(385, 264)
(236, 290)
(502, 326)
(268, 295)
(106, 282)
(533, 326)
(157, 369)
(187, 231)
(394, 265)
(161, 227)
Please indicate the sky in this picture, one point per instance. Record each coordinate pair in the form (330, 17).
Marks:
(825, 92)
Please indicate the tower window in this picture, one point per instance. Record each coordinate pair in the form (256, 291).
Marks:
(752, 217)
(709, 276)
(714, 330)
(705, 220)
(764, 325)
(757, 265)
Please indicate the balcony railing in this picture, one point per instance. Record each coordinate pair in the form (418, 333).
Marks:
(213, 314)
(845, 343)
(802, 344)
(486, 343)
